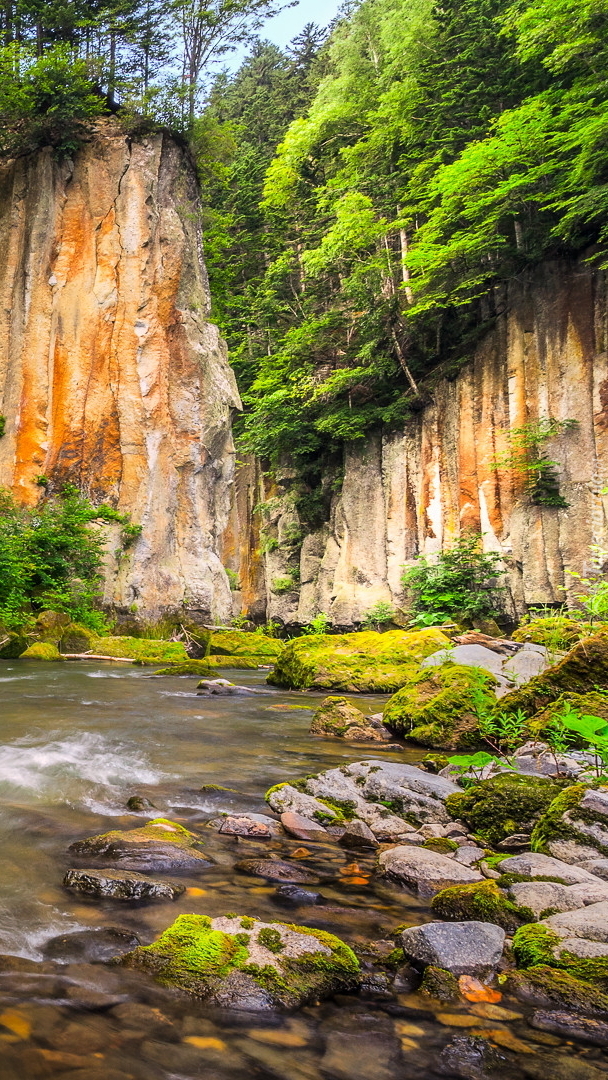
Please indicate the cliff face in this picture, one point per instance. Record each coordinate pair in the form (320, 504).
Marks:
(111, 377)
(414, 490)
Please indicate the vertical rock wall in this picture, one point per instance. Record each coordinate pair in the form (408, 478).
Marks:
(111, 376)
(412, 491)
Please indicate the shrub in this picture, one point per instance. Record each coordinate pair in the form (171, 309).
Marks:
(464, 583)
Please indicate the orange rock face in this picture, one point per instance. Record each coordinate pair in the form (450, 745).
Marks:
(111, 376)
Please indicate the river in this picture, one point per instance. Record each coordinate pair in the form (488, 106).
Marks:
(76, 741)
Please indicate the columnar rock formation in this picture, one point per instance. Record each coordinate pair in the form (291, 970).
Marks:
(111, 376)
(413, 490)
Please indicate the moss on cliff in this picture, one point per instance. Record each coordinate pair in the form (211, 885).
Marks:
(505, 804)
(366, 662)
(438, 706)
(482, 902)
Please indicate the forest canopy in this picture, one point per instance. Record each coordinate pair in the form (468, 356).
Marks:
(367, 192)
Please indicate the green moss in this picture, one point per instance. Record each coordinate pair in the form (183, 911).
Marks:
(583, 669)
(540, 945)
(132, 648)
(41, 650)
(76, 639)
(242, 939)
(504, 804)
(247, 923)
(442, 844)
(555, 632)
(271, 940)
(12, 644)
(235, 643)
(159, 830)
(483, 902)
(334, 717)
(439, 983)
(366, 662)
(550, 986)
(275, 787)
(195, 957)
(438, 707)
(551, 826)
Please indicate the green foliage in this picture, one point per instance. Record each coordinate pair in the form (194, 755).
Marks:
(569, 727)
(464, 582)
(378, 616)
(473, 764)
(50, 558)
(318, 624)
(2, 425)
(233, 581)
(594, 597)
(527, 457)
(504, 804)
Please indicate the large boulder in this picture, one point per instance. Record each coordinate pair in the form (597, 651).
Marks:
(464, 948)
(554, 632)
(585, 667)
(504, 805)
(158, 845)
(427, 872)
(244, 963)
(242, 643)
(12, 644)
(339, 718)
(76, 639)
(439, 707)
(146, 650)
(483, 901)
(537, 866)
(41, 650)
(365, 662)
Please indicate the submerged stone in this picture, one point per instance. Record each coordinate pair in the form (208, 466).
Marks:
(244, 963)
(466, 948)
(277, 870)
(90, 946)
(158, 845)
(121, 885)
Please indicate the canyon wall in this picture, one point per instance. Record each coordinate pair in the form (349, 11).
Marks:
(412, 491)
(111, 375)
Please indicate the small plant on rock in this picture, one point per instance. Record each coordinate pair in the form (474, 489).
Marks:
(319, 624)
(378, 616)
(594, 597)
(463, 583)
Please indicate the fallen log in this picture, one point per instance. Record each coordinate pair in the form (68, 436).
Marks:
(96, 656)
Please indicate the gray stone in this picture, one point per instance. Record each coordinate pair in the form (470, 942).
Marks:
(386, 779)
(470, 655)
(536, 865)
(599, 867)
(589, 893)
(586, 950)
(468, 854)
(588, 922)
(358, 835)
(542, 896)
(569, 851)
(287, 797)
(595, 800)
(121, 885)
(426, 871)
(571, 1026)
(516, 842)
(277, 870)
(431, 831)
(90, 946)
(464, 948)
(525, 664)
(254, 826)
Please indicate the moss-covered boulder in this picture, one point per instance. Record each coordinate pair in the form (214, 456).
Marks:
(339, 718)
(555, 632)
(240, 643)
(438, 706)
(506, 804)
(206, 665)
(553, 988)
(158, 845)
(41, 650)
(577, 816)
(147, 649)
(538, 945)
(50, 625)
(595, 703)
(583, 669)
(243, 963)
(440, 984)
(77, 639)
(12, 644)
(365, 662)
(482, 902)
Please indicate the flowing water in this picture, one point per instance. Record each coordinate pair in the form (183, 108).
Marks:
(76, 741)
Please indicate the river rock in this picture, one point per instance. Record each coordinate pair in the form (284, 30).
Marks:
(158, 845)
(542, 896)
(598, 867)
(339, 718)
(588, 922)
(121, 885)
(468, 854)
(425, 871)
(464, 948)
(244, 963)
(221, 688)
(284, 797)
(469, 655)
(137, 803)
(90, 946)
(571, 1026)
(471, 1058)
(358, 835)
(293, 894)
(536, 865)
(253, 826)
(277, 870)
(303, 828)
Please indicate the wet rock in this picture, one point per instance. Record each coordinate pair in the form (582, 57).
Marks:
(95, 946)
(425, 871)
(121, 885)
(334, 717)
(571, 1026)
(536, 865)
(366, 1055)
(516, 842)
(358, 835)
(293, 894)
(440, 984)
(551, 988)
(221, 688)
(467, 948)
(253, 826)
(469, 1057)
(241, 962)
(284, 797)
(303, 828)
(137, 803)
(139, 1017)
(277, 870)
(158, 845)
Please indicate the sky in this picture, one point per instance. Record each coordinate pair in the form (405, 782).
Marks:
(288, 23)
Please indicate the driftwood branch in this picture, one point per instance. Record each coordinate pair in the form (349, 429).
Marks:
(96, 656)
